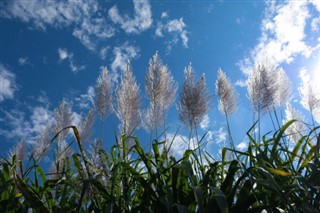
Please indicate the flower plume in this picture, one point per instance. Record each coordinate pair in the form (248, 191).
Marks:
(160, 90)
(41, 147)
(103, 101)
(63, 118)
(283, 88)
(262, 87)
(294, 131)
(310, 95)
(128, 102)
(194, 99)
(86, 126)
(227, 94)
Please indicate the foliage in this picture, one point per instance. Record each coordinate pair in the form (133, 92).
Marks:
(265, 176)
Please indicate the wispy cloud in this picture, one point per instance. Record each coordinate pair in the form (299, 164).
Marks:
(242, 146)
(28, 125)
(220, 136)
(141, 20)
(21, 127)
(86, 101)
(40, 118)
(176, 27)
(64, 54)
(103, 52)
(24, 61)
(241, 83)
(85, 18)
(8, 83)
(179, 145)
(122, 54)
(283, 34)
(204, 124)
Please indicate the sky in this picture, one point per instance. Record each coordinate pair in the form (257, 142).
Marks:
(55, 50)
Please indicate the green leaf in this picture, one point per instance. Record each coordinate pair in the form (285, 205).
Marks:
(279, 172)
(221, 200)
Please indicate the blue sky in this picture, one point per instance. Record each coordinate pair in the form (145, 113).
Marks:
(54, 50)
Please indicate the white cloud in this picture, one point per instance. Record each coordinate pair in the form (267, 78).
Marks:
(43, 99)
(64, 54)
(15, 119)
(316, 3)
(179, 145)
(141, 20)
(76, 119)
(241, 83)
(85, 18)
(204, 124)
(86, 101)
(220, 136)
(7, 83)
(28, 125)
(103, 52)
(76, 68)
(23, 61)
(40, 118)
(242, 146)
(123, 54)
(283, 35)
(20, 127)
(164, 15)
(176, 27)
(315, 24)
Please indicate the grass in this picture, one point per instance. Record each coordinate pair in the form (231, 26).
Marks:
(267, 176)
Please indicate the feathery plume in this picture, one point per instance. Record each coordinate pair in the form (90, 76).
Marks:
(128, 102)
(283, 88)
(194, 99)
(41, 147)
(103, 99)
(85, 129)
(227, 94)
(19, 150)
(261, 87)
(63, 118)
(310, 95)
(160, 90)
(294, 131)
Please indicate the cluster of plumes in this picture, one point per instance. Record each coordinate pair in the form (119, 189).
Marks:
(128, 100)
(310, 95)
(19, 151)
(160, 90)
(226, 93)
(103, 100)
(194, 99)
(295, 130)
(268, 87)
